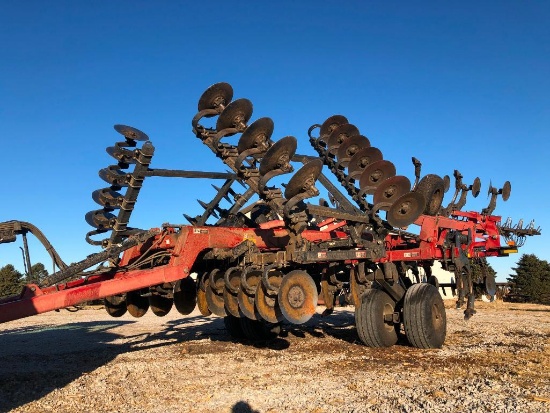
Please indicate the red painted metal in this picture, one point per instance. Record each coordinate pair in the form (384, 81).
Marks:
(185, 245)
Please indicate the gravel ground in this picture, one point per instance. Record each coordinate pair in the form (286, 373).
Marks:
(88, 362)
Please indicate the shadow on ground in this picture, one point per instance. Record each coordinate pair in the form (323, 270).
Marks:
(37, 359)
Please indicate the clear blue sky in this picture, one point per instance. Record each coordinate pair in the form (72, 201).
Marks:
(460, 86)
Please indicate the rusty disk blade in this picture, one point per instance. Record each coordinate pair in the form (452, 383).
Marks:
(115, 305)
(215, 302)
(235, 115)
(160, 305)
(131, 133)
(107, 198)
(506, 190)
(304, 179)
(363, 158)
(391, 189)
(246, 300)
(185, 295)
(297, 297)
(267, 302)
(339, 135)
(114, 176)
(256, 135)
(121, 154)
(216, 95)
(136, 305)
(230, 299)
(279, 155)
(446, 183)
(476, 187)
(375, 174)
(202, 304)
(350, 147)
(329, 125)
(231, 302)
(406, 209)
(100, 219)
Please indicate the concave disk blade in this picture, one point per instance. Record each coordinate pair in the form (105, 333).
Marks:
(121, 154)
(246, 300)
(363, 158)
(350, 147)
(267, 302)
(216, 95)
(256, 135)
(160, 305)
(235, 114)
(230, 299)
(391, 189)
(279, 155)
(202, 304)
(338, 135)
(114, 176)
(375, 174)
(446, 183)
(185, 295)
(107, 198)
(476, 187)
(136, 304)
(215, 301)
(406, 209)
(304, 179)
(115, 305)
(297, 297)
(329, 125)
(100, 219)
(506, 190)
(131, 133)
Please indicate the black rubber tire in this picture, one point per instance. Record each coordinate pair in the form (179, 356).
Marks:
(433, 188)
(259, 330)
(424, 317)
(372, 329)
(233, 327)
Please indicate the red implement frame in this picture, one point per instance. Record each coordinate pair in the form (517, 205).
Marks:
(186, 244)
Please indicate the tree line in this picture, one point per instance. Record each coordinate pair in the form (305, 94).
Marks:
(12, 281)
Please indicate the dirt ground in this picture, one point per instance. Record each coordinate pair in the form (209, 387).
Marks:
(86, 361)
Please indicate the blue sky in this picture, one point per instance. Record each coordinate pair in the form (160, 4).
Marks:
(460, 86)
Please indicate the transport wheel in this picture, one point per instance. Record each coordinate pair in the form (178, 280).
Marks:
(160, 305)
(115, 305)
(433, 189)
(424, 316)
(259, 330)
(185, 295)
(136, 304)
(374, 319)
(233, 327)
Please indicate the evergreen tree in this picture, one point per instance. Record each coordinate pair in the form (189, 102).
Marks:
(532, 279)
(37, 273)
(10, 281)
